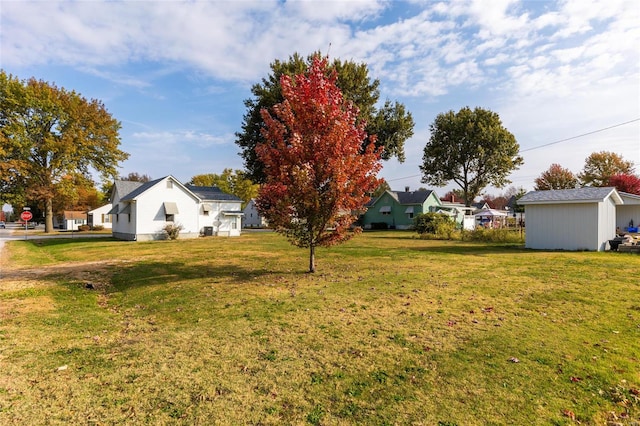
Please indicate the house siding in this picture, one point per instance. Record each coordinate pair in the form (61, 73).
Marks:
(149, 216)
(397, 216)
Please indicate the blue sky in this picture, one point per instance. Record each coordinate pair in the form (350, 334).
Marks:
(176, 73)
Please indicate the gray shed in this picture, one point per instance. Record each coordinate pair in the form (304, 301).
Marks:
(571, 219)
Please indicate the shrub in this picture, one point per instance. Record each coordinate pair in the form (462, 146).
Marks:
(84, 228)
(98, 227)
(436, 224)
(499, 235)
(172, 230)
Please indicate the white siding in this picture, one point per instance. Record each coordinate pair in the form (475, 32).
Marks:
(148, 215)
(607, 222)
(99, 216)
(223, 224)
(562, 226)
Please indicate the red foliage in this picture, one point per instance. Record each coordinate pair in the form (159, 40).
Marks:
(317, 175)
(626, 183)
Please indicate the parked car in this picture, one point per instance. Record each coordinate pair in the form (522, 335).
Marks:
(2, 225)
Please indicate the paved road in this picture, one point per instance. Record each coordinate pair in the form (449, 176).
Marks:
(15, 232)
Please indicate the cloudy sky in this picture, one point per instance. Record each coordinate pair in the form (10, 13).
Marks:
(564, 76)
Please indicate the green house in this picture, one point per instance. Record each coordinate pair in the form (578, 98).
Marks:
(396, 209)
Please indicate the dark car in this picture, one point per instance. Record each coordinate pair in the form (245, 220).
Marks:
(2, 225)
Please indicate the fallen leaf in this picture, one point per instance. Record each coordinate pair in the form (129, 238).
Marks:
(569, 413)
(514, 359)
(575, 379)
(63, 367)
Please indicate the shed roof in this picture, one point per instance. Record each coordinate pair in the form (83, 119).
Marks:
(578, 195)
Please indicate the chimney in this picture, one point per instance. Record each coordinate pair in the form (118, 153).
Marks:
(406, 189)
(453, 198)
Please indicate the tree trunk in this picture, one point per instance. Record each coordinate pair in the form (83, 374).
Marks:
(48, 216)
(312, 259)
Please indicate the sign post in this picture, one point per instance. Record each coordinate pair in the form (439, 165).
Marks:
(26, 215)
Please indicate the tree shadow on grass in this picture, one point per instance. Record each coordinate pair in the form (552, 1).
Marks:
(154, 273)
(120, 274)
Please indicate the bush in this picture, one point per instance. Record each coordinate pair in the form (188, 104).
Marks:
(98, 227)
(435, 224)
(84, 228)
(172, 230)
(500, 235)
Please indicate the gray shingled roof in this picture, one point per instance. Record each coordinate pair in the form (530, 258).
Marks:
(413, 197)
(212, 193)
(139, 189)
(125, 187)
(587, 194)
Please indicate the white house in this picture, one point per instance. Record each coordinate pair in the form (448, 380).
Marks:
(574, 219)
(141, 210)
(100, 217)
(252, 218)
(72, 219)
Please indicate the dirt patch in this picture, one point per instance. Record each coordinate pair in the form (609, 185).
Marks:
(96, 274)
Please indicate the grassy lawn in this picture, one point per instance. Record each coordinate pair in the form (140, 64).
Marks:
(391, 330)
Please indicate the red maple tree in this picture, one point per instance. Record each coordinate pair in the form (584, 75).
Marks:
(626, 183)
(317, 175)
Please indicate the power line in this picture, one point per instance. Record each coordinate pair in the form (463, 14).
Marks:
(579, 136)
(548, 144)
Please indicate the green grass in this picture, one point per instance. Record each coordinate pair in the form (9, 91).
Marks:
(392, 329)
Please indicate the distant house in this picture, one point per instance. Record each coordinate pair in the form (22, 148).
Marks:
(251, 218)
(72, 219)
(396, 209)
(100, 217)
(577, 219)
(140, 211)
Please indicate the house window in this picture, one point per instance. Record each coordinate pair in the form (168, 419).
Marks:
(169, 184)
(234, 224)
(106, 218)
(169, 217)
(386, 213)
(78, 221)
(410, 215)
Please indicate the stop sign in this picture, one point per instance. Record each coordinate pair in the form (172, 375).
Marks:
(26, 216)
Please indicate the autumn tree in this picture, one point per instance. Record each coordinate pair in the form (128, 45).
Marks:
(48, 134)
(625, 183)
(471, 148)
(317, 173)
(391, 123)
(556, 177)
(600, 166)
(137, 177)
(230, 181)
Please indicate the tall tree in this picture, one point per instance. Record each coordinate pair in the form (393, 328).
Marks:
(48, 133)
(317, 173)
(471, 148)
(600, 166)
(230, 181)
(391, 124)
(625, 183)
(556, 177)
(137, 177)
